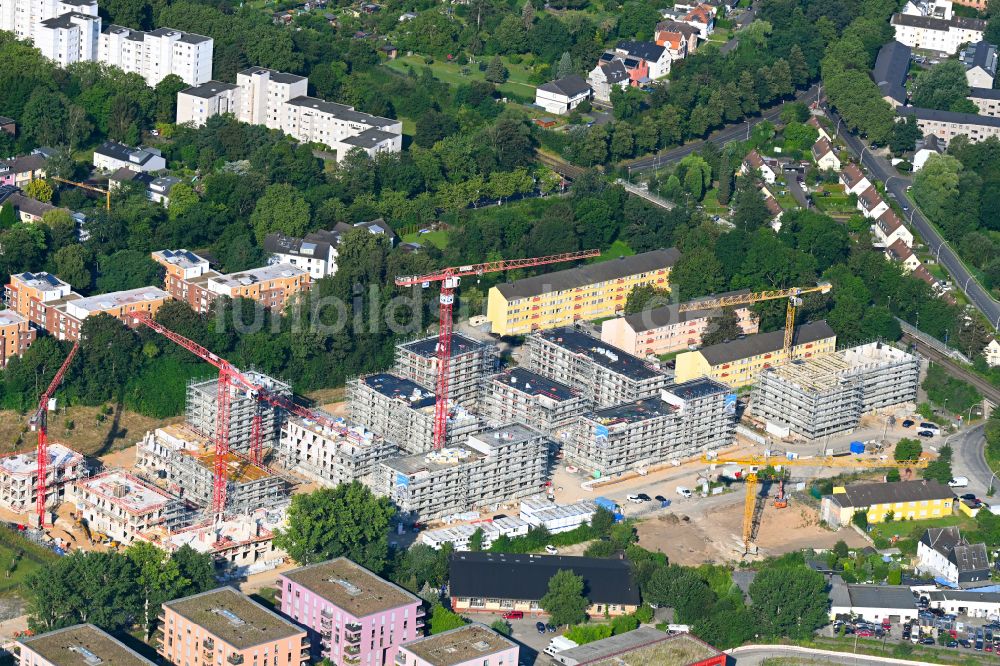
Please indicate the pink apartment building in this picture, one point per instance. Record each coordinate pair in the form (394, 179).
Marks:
(225, 627)
(355, 618)
(471, 645)
(82, 644)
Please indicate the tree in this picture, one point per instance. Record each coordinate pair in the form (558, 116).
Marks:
(502, 627)
(725, 189)
(565, 601)
(157, 575)
(790, 601)
(166, 99)
(565, 67)
(907, 449)
(495, 71)
(723, 328)
(476, 540)
(940, 470)
(8, 217)
(646, 297)
(347, 520)
(40, 190)
(182, 199)
(840, 549)
(905, 135)
(696, 273)
(627, 103)
(697, 175)
(71, 266)
(944, 87)
(443, 620)
(127, 269)
(527, 14)
(749, 210)
(282, 209)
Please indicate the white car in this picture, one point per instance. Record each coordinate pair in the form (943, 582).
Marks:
(551, 550)
(635, 499)
(683, 492)
(959, 482)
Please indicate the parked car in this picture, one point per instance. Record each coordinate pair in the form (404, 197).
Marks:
(635, 499)
(927, 425)
(513, 615)
(972, 498)
(540, 627)
(925, 433)
(908, 423)
(551, 550)
(927, 641)
(865, 633)
(551, 628)
(660, 498)
(644, 497)
(683, 492)
(959, 482)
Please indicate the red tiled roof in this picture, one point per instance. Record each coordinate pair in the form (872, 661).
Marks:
(852, 175)
(899, 250)
(871, 197)
(888, 221)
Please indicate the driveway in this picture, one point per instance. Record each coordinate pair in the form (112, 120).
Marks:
(897, 184)
(795, 188)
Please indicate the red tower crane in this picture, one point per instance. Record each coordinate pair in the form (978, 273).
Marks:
(450, 279)
(229, 377)
(40, 420)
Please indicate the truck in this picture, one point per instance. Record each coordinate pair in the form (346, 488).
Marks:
(558, 644)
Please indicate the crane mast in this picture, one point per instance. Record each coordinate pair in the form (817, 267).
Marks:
(450, 279)
(40, 420)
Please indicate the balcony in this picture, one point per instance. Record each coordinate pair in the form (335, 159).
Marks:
(352, 659)
(352, 649)
(352, 639)
(208, 643)
(353, 627)
(235, 659)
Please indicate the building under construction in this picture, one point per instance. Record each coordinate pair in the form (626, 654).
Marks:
(19, 477)
(685, 420)
(182, 461)
(471, 362)
(202, 402)
(328, 456)
(604, 375)
(523, 396)
(126, 508)
(492, 467)
(241, 545)
(402, 411)
(829, 393)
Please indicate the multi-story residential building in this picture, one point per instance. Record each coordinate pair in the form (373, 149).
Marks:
(125, 507)
(853, 179)
(934, 27)
(22, 170)
(888, 229)
(987, 99)
(687, 419)
(471, 361)
(663, 330)
(607, 76)
(591, 291)
(943, 552)
(353, 616)
(889, 73)
(739, 362)
(225, 626)
(315, 254)
(263, 93)
(904, 500)
(656, 57)
(493, 467)
(604, 376)
(340, 127)
(330, 456)
(70, 37)
(23, 17)
(19, 477)
(472, 645)
(241, 544)
(50, 304)
(79, 645)
(197, 104)
(871, 204)
(829, 393)
(111, 156)
(157, 54)
(402, 411)
(202, 403)
(980, 60)
(562, 95)
(495, 583)
(521, 396)
(15, 335)
(680, 39)
(946, 125)
(158, 188)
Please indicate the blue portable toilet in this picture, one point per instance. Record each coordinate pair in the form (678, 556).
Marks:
(857, 447)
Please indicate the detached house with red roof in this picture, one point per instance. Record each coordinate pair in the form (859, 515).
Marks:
(871, 204)
(702, 18)
(754, 162)
(854, 180)
(888, 229)
(678, 38)
(826, 158)
(900, 252)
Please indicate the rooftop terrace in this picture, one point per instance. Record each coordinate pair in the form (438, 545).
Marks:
(27, 463)
(257, 275)
(116, 299)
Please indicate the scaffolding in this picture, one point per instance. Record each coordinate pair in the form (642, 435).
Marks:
(330, 457)
(829, 393)
(523, 396)
(471, 362)
(19, 477)
(489, 469)
(202, 403)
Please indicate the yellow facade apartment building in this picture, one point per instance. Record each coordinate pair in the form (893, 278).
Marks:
(588, 292)
(738, 362)
(911, 500)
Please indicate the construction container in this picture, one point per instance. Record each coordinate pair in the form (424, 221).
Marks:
(857, 447)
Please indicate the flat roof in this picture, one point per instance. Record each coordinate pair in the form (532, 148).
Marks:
(40, 280)
(209, 89)
(464, 644)
(821, 372)
(369, 138)
(9, 317)
(632, 412)
(27, 463)
(427, 347)
(83, 645)
(235, 618)
(238, 469)
(262, 274)
(400, 388)
(127, 491)
(340, 111)
(273, 74)
(102, 302)
(433, 461)
(641, 647)
(697, 388)
(532, 383)
(351, 587)
(587, 274)
(602, 353)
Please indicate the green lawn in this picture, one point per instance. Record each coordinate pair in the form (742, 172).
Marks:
(711, 204)
(32, 558)
(618, 249)
(438, 239)
(903, 529)
(451, 73)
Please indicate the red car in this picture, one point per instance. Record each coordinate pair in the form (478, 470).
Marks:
(513, 615)
(865, 633)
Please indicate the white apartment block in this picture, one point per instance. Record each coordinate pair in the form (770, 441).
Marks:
(279, 101)
(22, 17)
(934, 26)
(68, 38)
(157, 54)
(19, 477)
(125, 507)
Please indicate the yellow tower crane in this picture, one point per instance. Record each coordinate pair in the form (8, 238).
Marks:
(106, 193)
(793, 294)
(755, 463)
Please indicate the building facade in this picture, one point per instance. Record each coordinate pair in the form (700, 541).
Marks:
(943, 553)
(909, 500)
(125, 507)
(472, 645)
(19, 477)
(330, 456)
(471, 362)
(588, 292)
(946, 125)
(521, 396)
(353, 616)
(15, 335)
(158, 54)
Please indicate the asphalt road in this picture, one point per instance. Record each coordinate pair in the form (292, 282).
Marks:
(720, 137)
(897, 184)
(969, 460)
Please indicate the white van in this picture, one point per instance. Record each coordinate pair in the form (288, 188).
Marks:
(558, 644)
(683, 492)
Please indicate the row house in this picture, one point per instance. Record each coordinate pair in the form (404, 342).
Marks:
(22, 170)
(871, 204)
(854, 180)
(824, 155)
(888, 229)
